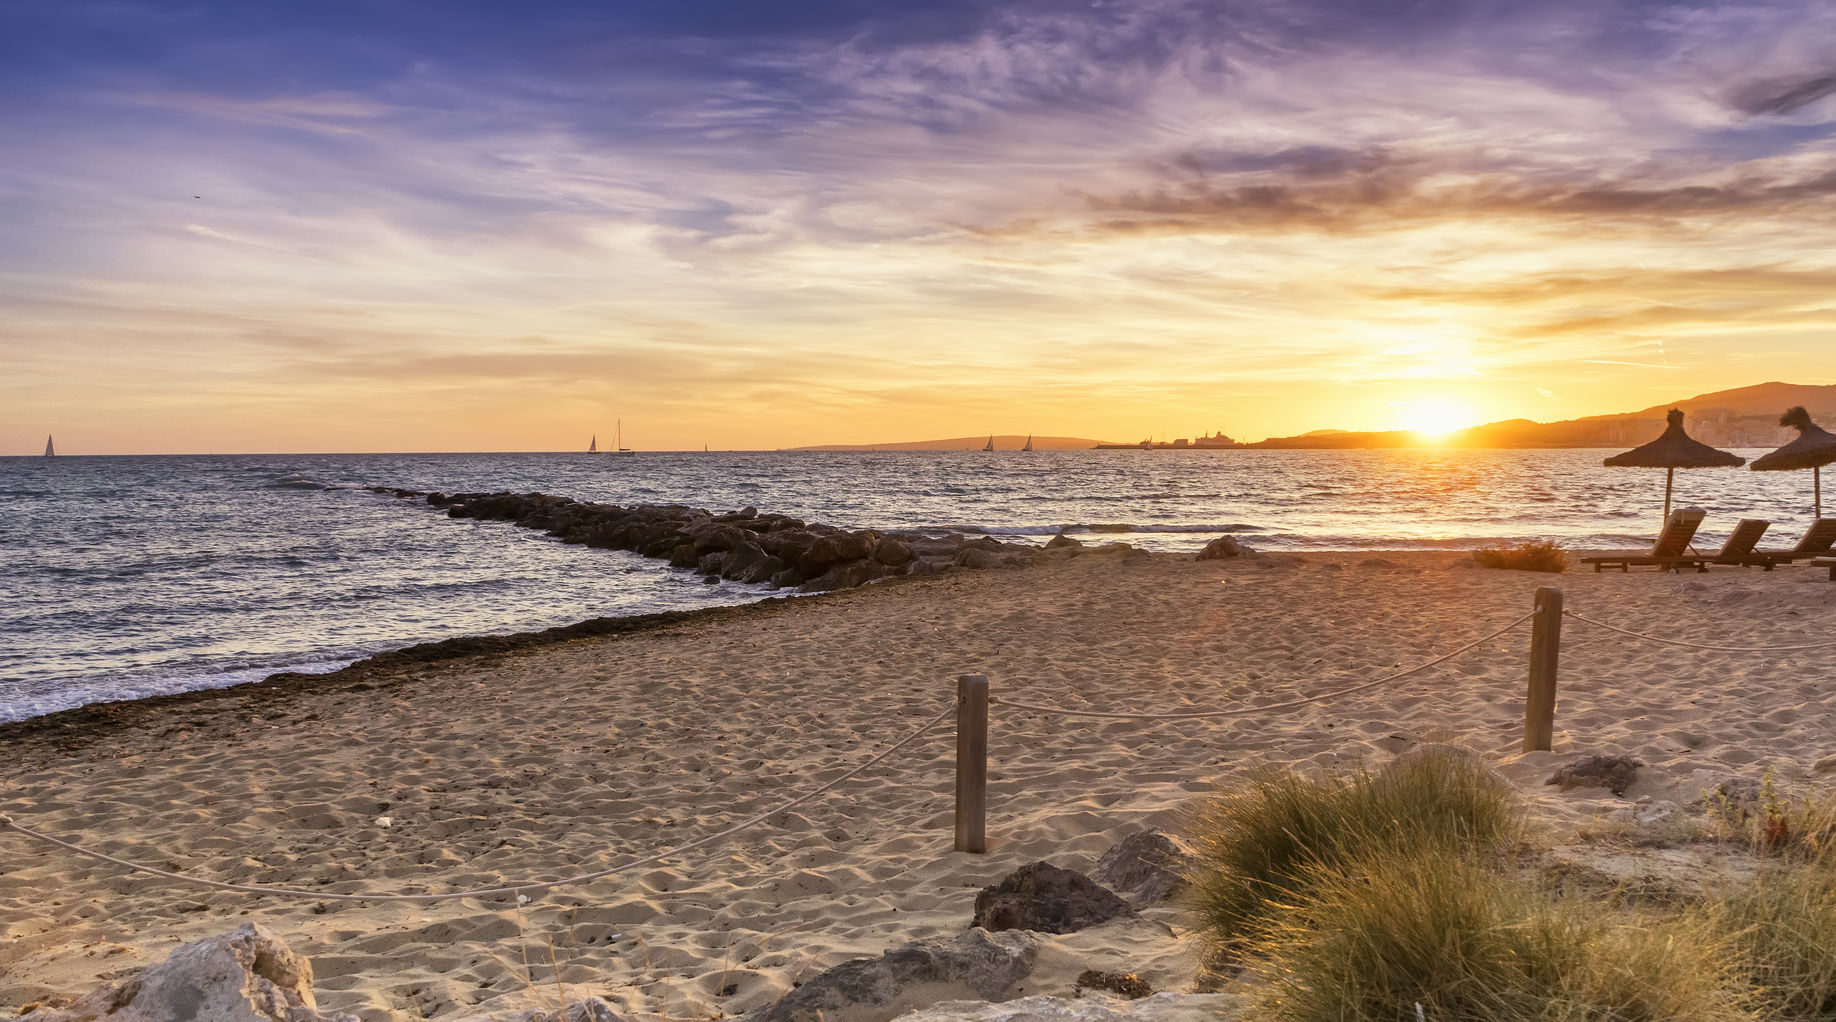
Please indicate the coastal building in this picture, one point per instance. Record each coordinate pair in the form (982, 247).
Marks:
(1216, 441)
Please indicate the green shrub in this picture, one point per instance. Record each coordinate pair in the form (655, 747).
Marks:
(1257, 847)
(1774, 824)
(1533, 556)
(1446, 930)
(1783, 927)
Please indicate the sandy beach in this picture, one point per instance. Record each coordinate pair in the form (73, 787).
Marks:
(538, 762)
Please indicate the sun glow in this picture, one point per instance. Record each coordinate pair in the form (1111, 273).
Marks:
(1434, 417)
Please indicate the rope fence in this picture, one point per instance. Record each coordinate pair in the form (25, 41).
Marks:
(1248, 711)
(1697, 645)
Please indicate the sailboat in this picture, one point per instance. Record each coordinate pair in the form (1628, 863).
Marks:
(618, 439)
(50, 451)
(990, 445)
(593, 444)
(1029, 443)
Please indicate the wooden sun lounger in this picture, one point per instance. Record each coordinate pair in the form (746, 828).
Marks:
(1817, 541)
(1670, 552)
(1739, 549)
(1825, 562)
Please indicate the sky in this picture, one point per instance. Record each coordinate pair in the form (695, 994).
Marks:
(408, 225)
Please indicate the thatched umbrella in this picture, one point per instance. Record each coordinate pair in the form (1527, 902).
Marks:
(1814, 448)
(1674, 450)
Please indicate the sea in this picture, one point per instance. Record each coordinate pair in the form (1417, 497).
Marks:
(123, 577)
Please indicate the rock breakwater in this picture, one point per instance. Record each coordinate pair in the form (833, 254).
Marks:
(746, 545)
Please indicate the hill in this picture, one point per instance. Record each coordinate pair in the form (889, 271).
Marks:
(1002, 442)
(1742, 417)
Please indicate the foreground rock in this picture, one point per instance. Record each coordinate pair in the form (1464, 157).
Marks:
(1046, 899)
(1125, 985)
(977, 965)
(742, 546)
(1157, 1008)
(248, 975)
(1614, 773)
(1147, 865)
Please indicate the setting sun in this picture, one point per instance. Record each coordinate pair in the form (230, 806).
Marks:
(1434, 417)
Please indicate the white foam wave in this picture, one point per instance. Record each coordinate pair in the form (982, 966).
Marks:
(1100, 527)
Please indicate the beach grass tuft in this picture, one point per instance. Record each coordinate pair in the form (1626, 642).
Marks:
(1258, 847)
(1449, 931)
(1782, 927)
(1537, 555)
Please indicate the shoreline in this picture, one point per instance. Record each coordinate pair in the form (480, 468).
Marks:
(94, 720)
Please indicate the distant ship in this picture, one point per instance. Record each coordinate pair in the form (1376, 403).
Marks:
(990, 445)
(618, 439)
(593, 444)
(50, 451)
(1029, 443)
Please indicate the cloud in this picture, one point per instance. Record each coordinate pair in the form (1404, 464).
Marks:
(1782, 96)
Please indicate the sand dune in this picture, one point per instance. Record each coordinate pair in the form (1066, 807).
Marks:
(573, 757)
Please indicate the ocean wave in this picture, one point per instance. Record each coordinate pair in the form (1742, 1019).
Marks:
(1100, 527)
(299, 481)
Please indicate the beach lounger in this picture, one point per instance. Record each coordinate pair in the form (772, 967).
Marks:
(1825, 562)
(1670, 552)
(1817, 540)
(1739, 547)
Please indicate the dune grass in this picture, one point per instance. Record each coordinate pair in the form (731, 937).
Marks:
(1391, 896)
(1447, 930)
(1782, 929)
(1533, 556)
(1260, 846)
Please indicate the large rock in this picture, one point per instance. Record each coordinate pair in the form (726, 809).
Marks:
(748, 562)
(834, 548)
(846, 575)
(938, 547)
(1042, 897)
(787, 544)
(892, 552)
(711, 537)
(1157, 1008)
(248, 975)
(976, 965)
(977, 557)
(786, 579)
(1221, 548)
(1147, 864)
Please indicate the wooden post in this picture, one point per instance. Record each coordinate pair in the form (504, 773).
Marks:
(1545, 652)
(971, 763)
